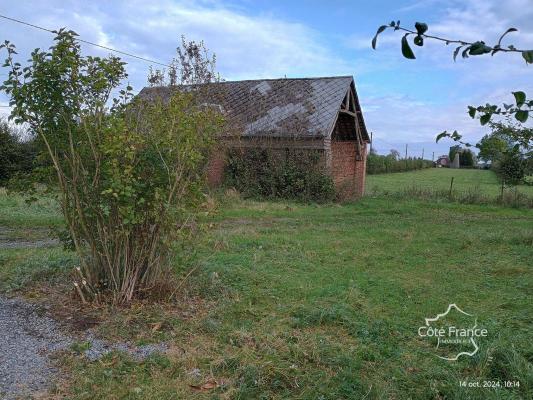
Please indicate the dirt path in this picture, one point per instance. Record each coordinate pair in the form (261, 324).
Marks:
(11, 238)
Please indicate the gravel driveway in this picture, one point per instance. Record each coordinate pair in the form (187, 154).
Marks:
(28, 338)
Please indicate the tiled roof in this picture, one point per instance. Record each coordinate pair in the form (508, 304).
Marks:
(275, 107)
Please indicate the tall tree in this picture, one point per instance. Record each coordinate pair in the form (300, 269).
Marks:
(193, 65)
(492, 146)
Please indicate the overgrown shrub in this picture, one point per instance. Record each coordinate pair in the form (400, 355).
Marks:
(126, 176)
(512, 167)
(508, 147)
(276, 173)
(17, 156)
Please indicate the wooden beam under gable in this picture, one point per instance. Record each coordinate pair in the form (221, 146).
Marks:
(358, 134)
(349, 113)
(348, 99)
(360, 117)
(352, 102)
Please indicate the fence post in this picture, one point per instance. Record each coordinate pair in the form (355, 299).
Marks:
(503, 187)
(451, 188)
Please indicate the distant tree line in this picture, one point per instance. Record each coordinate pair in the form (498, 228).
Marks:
(392, 162)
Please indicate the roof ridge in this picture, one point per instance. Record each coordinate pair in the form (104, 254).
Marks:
(272, 79)
(291, 79)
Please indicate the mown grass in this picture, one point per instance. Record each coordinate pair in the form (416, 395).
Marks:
(482, 183)
(22, 221)
(20, 268)
(324, 302)
(16, 212)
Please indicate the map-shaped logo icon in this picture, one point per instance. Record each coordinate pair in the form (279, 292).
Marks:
(454, 333)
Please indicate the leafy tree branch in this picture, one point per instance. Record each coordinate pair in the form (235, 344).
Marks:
(523, 106)
(465, 48)
(520, 136)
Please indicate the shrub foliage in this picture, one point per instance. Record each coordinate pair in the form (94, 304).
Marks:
(125, 175)
(276, 173)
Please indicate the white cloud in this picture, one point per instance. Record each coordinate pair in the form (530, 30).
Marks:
(247, 47)
(397, 120)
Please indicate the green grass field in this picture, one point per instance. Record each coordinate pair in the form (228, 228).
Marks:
(16, 212)
(483, 182)
(322, 302)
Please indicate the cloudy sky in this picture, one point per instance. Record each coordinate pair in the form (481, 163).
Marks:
(404, 101)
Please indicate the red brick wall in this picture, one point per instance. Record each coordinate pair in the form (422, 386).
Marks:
(347, 173)
(215, 167)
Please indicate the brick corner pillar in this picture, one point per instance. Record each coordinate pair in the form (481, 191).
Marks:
(360, 173)
(343, 168)
(215, 167)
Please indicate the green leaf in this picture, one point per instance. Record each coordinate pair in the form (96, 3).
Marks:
(375, 39)
(406, 49)
(441, 135)
(485, 118)
(419, 40)
(421, 28)
(522, 115)
(472, 111)
(479, 48)
(505, 33)
(528, 56)
(520, 98)
(456, 52)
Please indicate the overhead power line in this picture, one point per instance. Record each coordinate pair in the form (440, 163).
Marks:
(86, 41)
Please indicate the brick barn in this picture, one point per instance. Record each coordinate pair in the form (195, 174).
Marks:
(318, 114)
